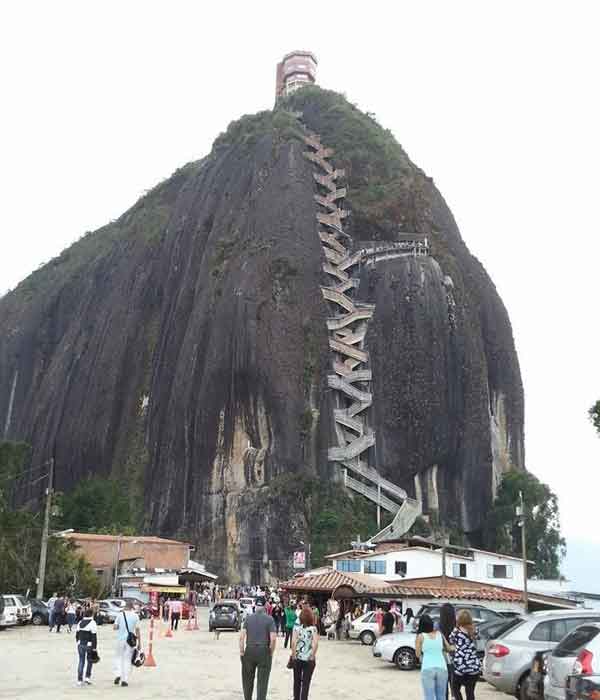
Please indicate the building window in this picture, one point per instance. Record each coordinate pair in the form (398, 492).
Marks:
(400, 568)
(349, 565)
(500, 571)
(376, 566)
(459, 570)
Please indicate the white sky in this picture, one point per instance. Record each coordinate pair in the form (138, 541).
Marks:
(497, 101)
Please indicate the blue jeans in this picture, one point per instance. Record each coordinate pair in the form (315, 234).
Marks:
(82, 650)
(434, 682)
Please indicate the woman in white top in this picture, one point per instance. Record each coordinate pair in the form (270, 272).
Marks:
(305, 642)
(70, 612)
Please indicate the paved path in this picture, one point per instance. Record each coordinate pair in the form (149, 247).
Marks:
(38, 665)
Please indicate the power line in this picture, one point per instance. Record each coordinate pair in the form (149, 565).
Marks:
(26, 471)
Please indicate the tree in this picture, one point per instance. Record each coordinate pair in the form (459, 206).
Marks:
(594, 414)
(20, 538)
(545, 545)
(96, 505)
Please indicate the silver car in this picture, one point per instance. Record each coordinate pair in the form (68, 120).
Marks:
(560, 662)
(508, 657)
(397, 648)
(584, 681)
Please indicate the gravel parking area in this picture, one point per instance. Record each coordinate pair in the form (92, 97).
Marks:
(38, 665)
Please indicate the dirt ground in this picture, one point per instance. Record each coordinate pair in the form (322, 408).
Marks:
(38, 665)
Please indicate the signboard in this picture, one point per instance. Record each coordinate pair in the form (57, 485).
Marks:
(300, 559)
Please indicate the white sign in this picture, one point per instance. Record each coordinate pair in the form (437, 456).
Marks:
(300, 559)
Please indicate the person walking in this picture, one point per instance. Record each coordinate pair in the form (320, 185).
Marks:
(305, 643)
(51, 602)
(70, 611)
(388, 622)
(176, 609)
(466, 663)
(86, 638)
(127, 625)
(290, 622)
(446, 626)
(59, 612)
(430, 646)
(257, 646)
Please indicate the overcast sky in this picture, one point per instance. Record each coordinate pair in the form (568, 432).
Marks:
(497, 101)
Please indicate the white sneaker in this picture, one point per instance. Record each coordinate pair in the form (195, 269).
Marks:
(80, 684)
(88, 681)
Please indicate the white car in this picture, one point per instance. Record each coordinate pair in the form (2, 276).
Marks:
(397, 648)
(24, 612)
(8, 617)
(364, 628)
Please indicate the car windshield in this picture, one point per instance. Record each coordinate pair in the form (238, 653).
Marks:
(574, 642)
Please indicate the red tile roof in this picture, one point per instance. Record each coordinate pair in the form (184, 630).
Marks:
(433, 587)
(139, 539)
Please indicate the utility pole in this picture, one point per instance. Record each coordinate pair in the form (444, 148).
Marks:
(521, 513)
(45, 533)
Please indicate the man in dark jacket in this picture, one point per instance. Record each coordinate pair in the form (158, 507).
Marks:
(59, 612)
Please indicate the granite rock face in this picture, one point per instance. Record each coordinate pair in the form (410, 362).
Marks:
(183, 348)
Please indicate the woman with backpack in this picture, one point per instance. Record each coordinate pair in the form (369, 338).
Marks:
(86, 637)
(305, 642)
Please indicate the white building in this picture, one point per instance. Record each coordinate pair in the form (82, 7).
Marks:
(418, 558)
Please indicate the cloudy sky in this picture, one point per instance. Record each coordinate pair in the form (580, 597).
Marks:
(497, 101)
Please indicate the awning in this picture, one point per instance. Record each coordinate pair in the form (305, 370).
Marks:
(148, 587)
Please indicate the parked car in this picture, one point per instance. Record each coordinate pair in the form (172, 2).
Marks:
(107, 612)
(508, 657)
(8, 618)
(225, 615)
(364, 628)
(397, 648)
(584, 681)
(537, 675)
(491, 630)
(479, 613)
(23, 609)
(562, 659)
(40, 615)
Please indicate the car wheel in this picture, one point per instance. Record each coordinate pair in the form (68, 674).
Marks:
(367, 638)
(37, 620)
(521, 693)
(405, 659)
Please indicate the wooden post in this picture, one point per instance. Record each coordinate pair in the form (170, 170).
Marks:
(45, 533)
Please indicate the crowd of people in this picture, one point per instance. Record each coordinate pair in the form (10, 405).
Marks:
(446, 648)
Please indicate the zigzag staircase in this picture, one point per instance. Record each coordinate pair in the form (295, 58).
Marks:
(347, 326)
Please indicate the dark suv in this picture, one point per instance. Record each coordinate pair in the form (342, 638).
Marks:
(225, 616)
(479, 613)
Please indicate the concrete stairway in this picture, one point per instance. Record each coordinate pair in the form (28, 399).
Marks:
(347, 328)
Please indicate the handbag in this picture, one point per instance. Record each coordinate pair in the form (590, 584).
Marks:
(131, 638)
(291, 662)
